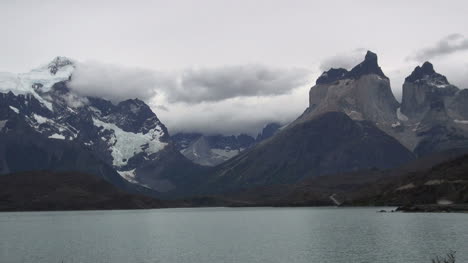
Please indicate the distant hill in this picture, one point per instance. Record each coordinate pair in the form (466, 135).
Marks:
(39, 191)
(445, 183)
(441, 177)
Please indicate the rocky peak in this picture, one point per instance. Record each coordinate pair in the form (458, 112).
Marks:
(132, 115)
(368, 66)
(363, 93)
(268, 131)
(57, 63)
(425, 92)
(427, 72)
(134, 106)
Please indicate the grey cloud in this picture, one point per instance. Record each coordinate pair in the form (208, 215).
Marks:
(344, 60)
(457, 74)
(161, 107)
(190, 86)
(235, 116)
(448, 45)
(217, 84)
(75, 101)
(116, 83)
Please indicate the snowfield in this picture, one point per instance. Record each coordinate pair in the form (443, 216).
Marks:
(125, 145)
(41, 77)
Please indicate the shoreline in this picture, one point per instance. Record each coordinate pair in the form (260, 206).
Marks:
(426, 208)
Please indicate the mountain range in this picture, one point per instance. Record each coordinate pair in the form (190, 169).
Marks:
(353, 123)
(211, 150)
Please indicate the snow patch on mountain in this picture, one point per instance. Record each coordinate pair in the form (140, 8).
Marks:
(14, 109)
(2, 124)
(225, 154)
(401, 116)
(41, 78)
(461, 121)
(40, 119)
(57, 136)
(130, 177)
(124, 145)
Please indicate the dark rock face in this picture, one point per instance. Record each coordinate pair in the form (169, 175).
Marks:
(332, 75)
(368, 66)
(459, 105)
(432, 117)
(364, 93)
(425, 87)
(437, 109)
(24, 149)
(331, 143)
(426, 70)
(268, 131)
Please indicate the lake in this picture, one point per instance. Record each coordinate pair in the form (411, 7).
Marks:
(209, 235)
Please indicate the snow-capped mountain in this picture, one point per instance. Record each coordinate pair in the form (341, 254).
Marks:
(127, 136)
(211, 150)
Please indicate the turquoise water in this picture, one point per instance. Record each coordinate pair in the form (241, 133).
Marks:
(208, 235)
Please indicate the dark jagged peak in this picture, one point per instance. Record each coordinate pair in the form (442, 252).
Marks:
(268, 131)
(57, 63)
(332, 75)
(368, 66)
(427, 72)
(135, 107)
(134, 115)
(136, 102)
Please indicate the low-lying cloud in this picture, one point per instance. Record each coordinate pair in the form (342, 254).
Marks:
(448, 45)
(116, 83)
(217, 84)
(190, 86)
(234, 116)
(225, 100)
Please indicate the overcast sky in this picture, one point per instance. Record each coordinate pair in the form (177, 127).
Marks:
(229, 66)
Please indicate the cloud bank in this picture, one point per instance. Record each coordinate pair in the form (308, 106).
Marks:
(224, 100)
(217, 84)
(191, 86)
(116, 83)
(236, 115)
(448, 45)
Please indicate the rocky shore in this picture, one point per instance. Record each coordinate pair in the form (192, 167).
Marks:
(435, 208)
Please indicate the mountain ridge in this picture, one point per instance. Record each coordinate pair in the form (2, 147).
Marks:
(353, 122)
